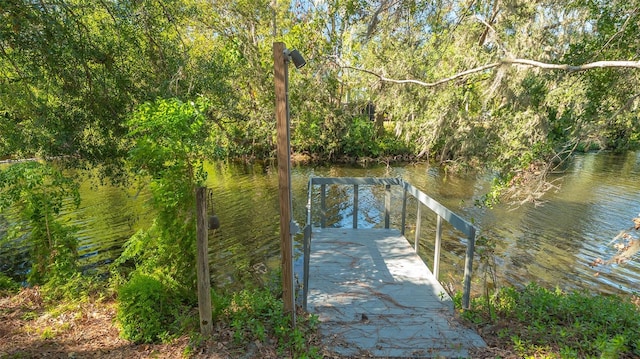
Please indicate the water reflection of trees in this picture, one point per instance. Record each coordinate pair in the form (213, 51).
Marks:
(246, 202)
(339, 202)
(338, 199)
(14, 254)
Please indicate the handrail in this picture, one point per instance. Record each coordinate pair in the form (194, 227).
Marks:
(307, 248)
(423, 199)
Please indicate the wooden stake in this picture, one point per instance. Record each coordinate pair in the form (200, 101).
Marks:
(282, 125)
(202, 263)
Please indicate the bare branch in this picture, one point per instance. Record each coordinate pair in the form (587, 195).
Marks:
(623, 107)
(572, 68)
(422, 83)
(510, 62)
(488, 25)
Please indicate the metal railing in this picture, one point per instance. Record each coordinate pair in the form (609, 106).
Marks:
(423, 200)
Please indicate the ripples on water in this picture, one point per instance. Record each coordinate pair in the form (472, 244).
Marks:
(552, 244)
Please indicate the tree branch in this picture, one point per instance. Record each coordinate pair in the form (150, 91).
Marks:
(572, 68)
(623, 107)
(622, 28)
(422, 83)
(508, 62)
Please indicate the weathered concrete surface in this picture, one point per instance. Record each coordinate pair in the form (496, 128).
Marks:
(374, 295)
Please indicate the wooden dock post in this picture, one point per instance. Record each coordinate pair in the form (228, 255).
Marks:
(284, 179)
(202, 263)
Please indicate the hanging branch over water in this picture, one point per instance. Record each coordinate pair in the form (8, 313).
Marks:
(626, 242)
(505, 62)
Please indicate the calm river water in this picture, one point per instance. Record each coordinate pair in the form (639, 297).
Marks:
(551, 244)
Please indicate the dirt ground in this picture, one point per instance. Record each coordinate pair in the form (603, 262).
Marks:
(86, 330)
(89, 330)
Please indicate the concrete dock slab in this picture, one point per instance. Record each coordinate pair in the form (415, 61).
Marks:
(374, 295)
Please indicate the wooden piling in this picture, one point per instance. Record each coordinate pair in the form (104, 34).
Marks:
(284, 189)
(202, 263)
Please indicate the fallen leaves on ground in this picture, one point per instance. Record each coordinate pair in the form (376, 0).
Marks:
(88, 329)
(81, 330)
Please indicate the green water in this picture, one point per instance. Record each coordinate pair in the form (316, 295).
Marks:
(552, 244)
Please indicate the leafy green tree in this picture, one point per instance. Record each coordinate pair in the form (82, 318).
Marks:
(72, 71)
(467, 82)
(611, 98)
(168, 142)
(64, 79)
(456, 78)
(36, 193)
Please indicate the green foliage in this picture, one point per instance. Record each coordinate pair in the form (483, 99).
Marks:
(168, 138)
(317, 133)
(76, 286)
(73, 70)
(580, 323)
(147, 310)
(333, 137)
(63, 96)
(363, 139)
(391, 145)
(359, 139)
(7, 284)
(256, 314)
(71, 97)
(37, 192)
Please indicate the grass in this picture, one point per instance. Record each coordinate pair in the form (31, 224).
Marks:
(529, 322)
(257, 315)
(47, 333)
(535, 322)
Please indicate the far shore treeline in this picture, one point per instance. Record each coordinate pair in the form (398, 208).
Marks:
(468, 84)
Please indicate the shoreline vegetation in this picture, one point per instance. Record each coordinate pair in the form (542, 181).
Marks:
(527, 322)
(303, 158)
(64, 313)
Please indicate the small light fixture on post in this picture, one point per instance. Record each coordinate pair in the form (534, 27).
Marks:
(281, 58)
(294, 55)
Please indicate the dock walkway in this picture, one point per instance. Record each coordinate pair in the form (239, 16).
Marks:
(374, 295)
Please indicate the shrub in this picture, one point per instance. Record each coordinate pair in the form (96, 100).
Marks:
(168, 148)
(258, 315)
(146, 309)
(360, 138)
(562, 322)
(7, 284)
(37, 192)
